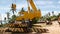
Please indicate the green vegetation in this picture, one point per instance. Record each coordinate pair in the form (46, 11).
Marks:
(13, 18)
(49, 18)
(34, 20)
(22, 10)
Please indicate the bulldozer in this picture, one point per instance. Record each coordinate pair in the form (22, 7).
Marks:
(26, 15)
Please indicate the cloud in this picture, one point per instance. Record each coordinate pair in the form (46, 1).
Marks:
(46, 12)
(2, 2)
(44, 2)
(21, 6)
(56, 13)
(3, 16)
(59, 2)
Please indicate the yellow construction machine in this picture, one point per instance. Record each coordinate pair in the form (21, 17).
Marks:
(35, 13)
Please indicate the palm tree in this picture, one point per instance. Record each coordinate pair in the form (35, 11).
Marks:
(52, 12)
(49, 13)
(13, 18)
(5, 19)
(8, 14)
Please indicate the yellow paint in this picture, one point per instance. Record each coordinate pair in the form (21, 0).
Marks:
(29, 14)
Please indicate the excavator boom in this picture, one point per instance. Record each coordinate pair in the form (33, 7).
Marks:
(32, 5)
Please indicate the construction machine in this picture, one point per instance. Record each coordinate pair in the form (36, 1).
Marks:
(22, 27)
(35, 13)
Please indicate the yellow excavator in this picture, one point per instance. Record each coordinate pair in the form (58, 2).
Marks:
(35, 13)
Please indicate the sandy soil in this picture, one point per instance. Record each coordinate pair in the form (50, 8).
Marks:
(54, 28)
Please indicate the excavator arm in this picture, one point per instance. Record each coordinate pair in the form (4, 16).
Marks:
(32, 5)
(37, 13)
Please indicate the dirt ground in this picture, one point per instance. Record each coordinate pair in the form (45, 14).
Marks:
(54, 28)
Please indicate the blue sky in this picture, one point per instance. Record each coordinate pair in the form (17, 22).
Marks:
(44, 5)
